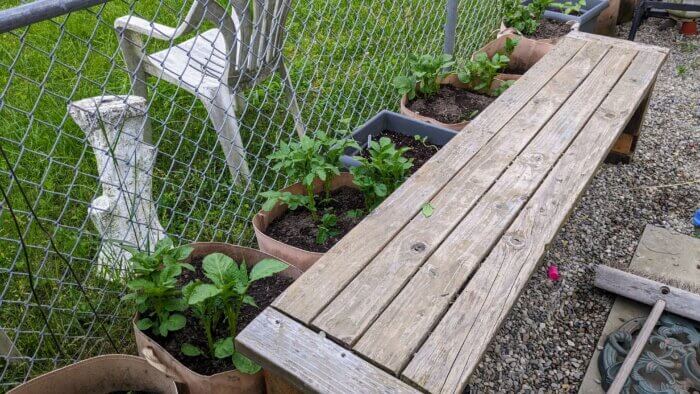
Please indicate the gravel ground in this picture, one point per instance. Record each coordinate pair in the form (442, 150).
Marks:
(547, 341)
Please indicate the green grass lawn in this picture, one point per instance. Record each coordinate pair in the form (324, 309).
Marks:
(342, 56)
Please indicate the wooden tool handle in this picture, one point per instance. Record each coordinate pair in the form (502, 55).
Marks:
(637, 347)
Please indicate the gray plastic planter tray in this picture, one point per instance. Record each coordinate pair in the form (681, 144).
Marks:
(587, 21)
(386, 120)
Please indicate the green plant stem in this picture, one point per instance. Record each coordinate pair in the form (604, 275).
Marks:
(206, 322)
(312, 201)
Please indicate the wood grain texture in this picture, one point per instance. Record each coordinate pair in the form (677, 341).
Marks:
(616, 42)
(400, 330)
(307, 296)
(309, 361)
(647, 291)
(450, 354)
(357, 306)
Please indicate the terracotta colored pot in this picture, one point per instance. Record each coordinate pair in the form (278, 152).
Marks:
(102, 374)
(225, 382)
(300, 258)
(525, 55)
(454, 81)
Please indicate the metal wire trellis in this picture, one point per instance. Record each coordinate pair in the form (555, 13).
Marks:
(341, 56)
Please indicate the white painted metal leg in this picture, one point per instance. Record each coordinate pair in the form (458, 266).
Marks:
(124, 213)
(223, 117)
(291, 94)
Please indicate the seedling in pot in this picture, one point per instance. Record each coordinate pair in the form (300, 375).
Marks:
(221, 298)
(524, 18)
(304, 161)
(424, 140)
(569, 7)
(426, 72)
(482, 70)
(327, 229)
(154, 286)
(382, 173)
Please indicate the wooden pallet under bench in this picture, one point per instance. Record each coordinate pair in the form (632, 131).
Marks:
(406, 302)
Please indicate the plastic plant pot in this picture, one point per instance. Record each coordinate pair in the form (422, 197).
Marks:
(587, 21)
(387, 120)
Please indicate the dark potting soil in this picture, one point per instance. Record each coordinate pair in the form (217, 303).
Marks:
(263, 291)
(549, 28)
(297, 228)
(450, 104)
(419, 152)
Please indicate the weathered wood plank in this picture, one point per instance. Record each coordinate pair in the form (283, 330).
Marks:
(308, 295)
(309, 361)
(356, 307)
(403, 326)
(647, 291)
(617, 42)
(453, 350)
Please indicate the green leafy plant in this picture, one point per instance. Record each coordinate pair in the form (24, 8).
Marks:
(154, 286)
(524, 18)
(426, 72)
(569, 7)
(354, 213)
(327, 229)
(510, 45)
(424, 141)
(221, 298)
(304, 161)
(482, 70)
(382, 173)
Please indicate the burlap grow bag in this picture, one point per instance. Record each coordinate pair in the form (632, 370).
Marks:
(526, 53)
(230, 382)
(300, 258)
(454, 81)
(101, 375)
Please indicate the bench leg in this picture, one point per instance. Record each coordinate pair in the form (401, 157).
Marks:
(277, 385)
(626, 144)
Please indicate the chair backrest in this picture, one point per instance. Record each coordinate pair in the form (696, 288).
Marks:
(253, 36)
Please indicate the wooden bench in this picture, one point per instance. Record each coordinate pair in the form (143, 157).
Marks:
(406, 302)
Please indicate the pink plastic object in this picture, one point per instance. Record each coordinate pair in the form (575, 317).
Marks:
(553, 272)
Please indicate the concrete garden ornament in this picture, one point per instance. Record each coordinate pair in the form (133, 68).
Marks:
(124, 213)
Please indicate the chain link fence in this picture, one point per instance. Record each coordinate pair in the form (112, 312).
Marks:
(56, 304)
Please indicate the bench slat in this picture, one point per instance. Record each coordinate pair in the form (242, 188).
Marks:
(408, 320)
(453, 350)
(356, 307)
(309, 361)
(307, 296)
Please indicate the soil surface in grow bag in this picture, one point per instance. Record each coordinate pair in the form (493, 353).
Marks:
(550, 29)
(451, 104)
(263, 291)
(420, 152)
(297, 228)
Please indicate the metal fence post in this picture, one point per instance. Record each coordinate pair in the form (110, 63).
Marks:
(451, 26)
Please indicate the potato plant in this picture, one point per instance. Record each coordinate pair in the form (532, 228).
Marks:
(481, 71)
(382, 173)
(304, 161)
(221, 298)
(154, 286)
(524, 18)
(569, 7)
(426, 72)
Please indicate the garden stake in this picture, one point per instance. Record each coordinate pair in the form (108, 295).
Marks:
(650, 292)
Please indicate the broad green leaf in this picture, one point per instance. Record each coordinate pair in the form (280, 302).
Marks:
(202, 292)
(427, 209)
(190, 350)
(140, 284)
(250, 301)
(215, 267)
(265, 268)
(163, 244)
(244, 365)
(182, 252)
(144, 324)
(175, 322)
(175, 305)
(223, 348)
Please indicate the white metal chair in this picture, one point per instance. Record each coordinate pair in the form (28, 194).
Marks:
(215, 65)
